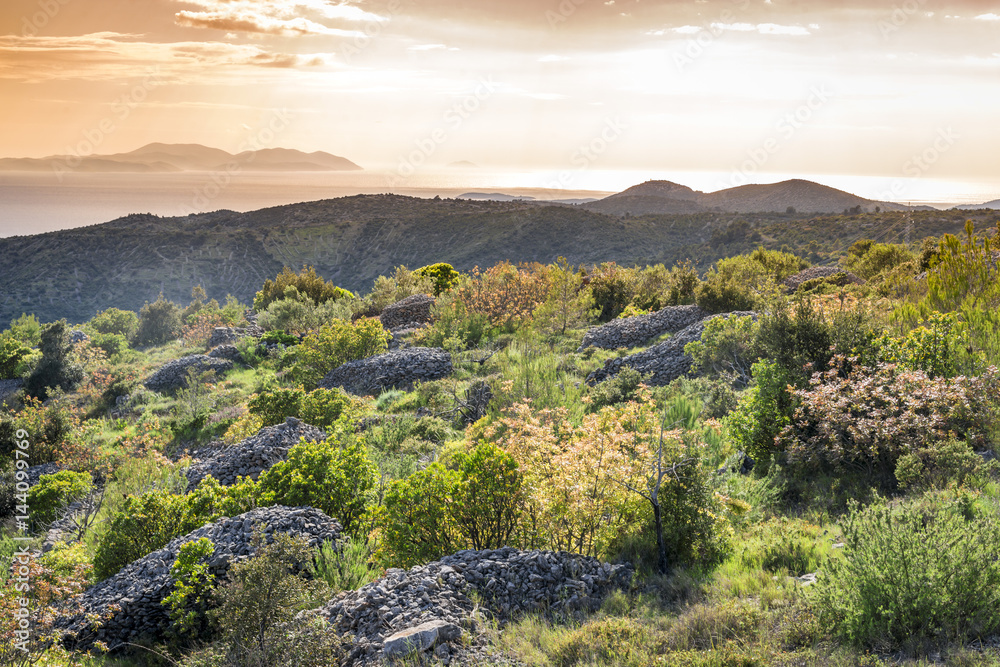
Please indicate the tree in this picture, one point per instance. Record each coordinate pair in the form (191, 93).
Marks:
(568, 303)
(159, 322)
(306, 283)
(54, 370)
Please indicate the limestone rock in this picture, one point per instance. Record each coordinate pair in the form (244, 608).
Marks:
(173, 374)
(633, 331)
(420, 638)
(393, 370)
(411, 312)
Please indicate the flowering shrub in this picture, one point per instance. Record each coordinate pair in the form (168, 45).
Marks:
(866, 421)
(505, 294)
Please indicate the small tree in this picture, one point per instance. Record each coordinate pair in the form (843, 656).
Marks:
(568, 304)
(335, 344)
(54, 370)
(159, 322)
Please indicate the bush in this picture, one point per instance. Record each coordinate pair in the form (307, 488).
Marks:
(798, 338)
(740, 283)
(12, 355)
(443, 276)
(763, 411)
(414, 523)
(487, 500)
(345, 566)
(338, 480)
(110, 343)
(49, 428)
(568, 304)
(275, 405)
(387, 290)
(612, 287)
(54, 370)
(114, 321)
(142, 525)
(305, 284)
(619, 389)
(335, 344)
(877, 258)
(257, 609)
(862, 422)
(54, 492)
(725, 348)
(455, 326)
(159, 322)
(922, 572)
(189, 600)
(505, 294)
(26, 329)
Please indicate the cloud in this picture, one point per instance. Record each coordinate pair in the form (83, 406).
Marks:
(553, 58)
(110, 56)
(988, 17)
(275, 17)
(427, 47)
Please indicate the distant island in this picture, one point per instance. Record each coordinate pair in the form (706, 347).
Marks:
(166, 158)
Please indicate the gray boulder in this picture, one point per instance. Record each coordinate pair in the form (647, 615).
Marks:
(420, 638)
(399, 369)
(173, 374)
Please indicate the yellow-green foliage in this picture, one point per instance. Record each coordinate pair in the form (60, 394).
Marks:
(335, 344)
(289, 284)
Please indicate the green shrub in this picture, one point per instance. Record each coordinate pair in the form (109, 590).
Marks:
(612, 287)
(110, 343)
(621, 388)
(54, 370)
(878, 258)
(142, 525)
(455, 326)
(275, 405)
(49, 426)
(26, 329)
(335, 344)
(13, 353)
(346, 566)
(189, 599)
(443, 276)
(725, 348)
(796, 336)
(387, 290)
(568, 304)
(337, 479)
(914, 573)
(487, 501)
(257, 611)
(305, 283)
(940, 465)
(114, 321)
(325, 407)
(415, 524)
(54, 492)
(936, 347)
(741, 283)
(159, 322)
(763, 411)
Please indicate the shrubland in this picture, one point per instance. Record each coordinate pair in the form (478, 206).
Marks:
(821, 488)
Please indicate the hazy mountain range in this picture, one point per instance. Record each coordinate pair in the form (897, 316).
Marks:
(162, 158)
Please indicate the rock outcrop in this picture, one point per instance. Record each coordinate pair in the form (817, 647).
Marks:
(251, 457)
(409, 313)
(131, 599)
(505, 582)
(792, 283)
(173, 374)
(666, 361)
(393, 370)
(633, 331)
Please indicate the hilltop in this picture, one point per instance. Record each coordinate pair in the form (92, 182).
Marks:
(665, 197)
(160, 158)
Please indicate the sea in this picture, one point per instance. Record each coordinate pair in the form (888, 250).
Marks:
(33, 203)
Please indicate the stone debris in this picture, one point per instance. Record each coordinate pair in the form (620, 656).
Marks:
(795, 281)
(399, 369)
(251, 457)
(173, 374)
(666, 361)
(634, 331)
(229, 352)
(132, 598)
(410, 313)
(504, 582)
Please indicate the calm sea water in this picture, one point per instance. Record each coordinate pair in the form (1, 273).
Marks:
(36, 203)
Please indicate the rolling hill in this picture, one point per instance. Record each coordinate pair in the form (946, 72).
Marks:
(352, 240)
(665, 197)
(160, 158)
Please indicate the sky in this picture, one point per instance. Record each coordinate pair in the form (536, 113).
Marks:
(749, 87)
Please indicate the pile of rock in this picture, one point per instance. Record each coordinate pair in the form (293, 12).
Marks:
(229, 335)
(429, 605)
(792, 283)
(398, 369)
(409, 313)
(131, 599)
(254, 455)
(229, 352)
(77, 336)
(633, 331)
(8, 388)
(666, 361)
(35, 472)
(173, 374)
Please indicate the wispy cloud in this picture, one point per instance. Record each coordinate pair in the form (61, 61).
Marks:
(275, 17)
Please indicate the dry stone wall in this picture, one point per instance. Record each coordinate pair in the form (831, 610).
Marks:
(634, 331)
(398, 369)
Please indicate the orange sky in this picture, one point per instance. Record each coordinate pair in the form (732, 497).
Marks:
(868, 88)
